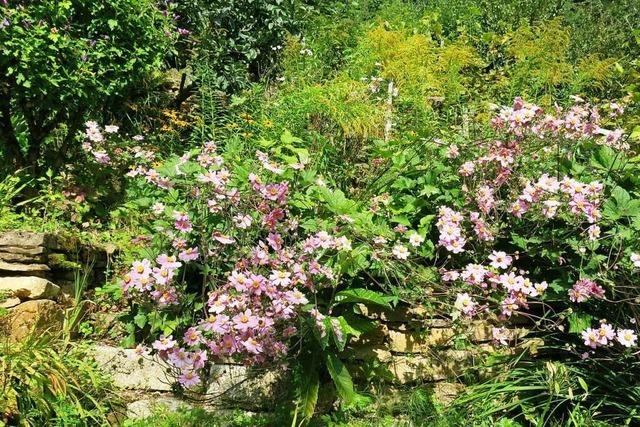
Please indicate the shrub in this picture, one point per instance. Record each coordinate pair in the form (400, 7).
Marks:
(62, 60)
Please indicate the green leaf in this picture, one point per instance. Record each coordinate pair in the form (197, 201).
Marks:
(308, 387)
(583, 384)
(140, 320)
(578, 322)
(605, 159)
(341, 378)
(365, 296)
(112, 23)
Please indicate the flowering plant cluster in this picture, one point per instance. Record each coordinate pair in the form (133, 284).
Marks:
(516, 192)
(260, 271)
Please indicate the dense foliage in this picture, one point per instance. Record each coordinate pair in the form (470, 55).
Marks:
(476, 159)
(63, 60)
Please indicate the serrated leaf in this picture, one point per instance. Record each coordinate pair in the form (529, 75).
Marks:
(140, 320)
(341, 378)
(365, 296)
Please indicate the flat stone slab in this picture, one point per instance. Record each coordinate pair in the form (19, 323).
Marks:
(9, 302)
(132, 372)
(39, 270)
(28, 287)
(28, 239)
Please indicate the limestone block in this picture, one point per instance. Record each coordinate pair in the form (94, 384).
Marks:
(37, 316)
(419, 342)
(39, 270)
(446, 364)
(9, 302)
(240, 387)
(28, 287)
(131, 372)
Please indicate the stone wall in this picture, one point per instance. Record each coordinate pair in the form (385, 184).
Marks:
(407, 347)
(37, 274)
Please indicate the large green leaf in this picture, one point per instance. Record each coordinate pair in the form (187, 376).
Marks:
(308, 387)
(341, 378)
(365, 296)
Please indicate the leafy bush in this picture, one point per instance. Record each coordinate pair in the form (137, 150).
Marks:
(237, 40)
(62, 60)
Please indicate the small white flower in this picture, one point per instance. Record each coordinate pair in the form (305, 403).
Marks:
(626, 337)
(415, 239)
(400, 252)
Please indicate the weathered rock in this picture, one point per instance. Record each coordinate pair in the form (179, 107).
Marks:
(39, 270)
(415, 342)
(446, 392)
(240, 387)
(9, 302)
(27, 239)
(28, 287)
(446, 364)
(129, 371)
(37, 316)
(35, 251)
(369, 352)
(144, 408)
(21, 258)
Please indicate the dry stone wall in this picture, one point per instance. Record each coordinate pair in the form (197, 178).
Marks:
(37, 270)
(37, 273)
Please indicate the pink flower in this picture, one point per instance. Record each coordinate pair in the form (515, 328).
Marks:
(182, 223)
(164, 343)
(168, 262)
(593, 232)
(217, 323)
(590, 337)
(416, 240)
(509, 305)
(400, 252)
(511, 281)
(450, 276)
(225, 240)
(296, 297)
(257, 284)
(465, 304)
(189, 379)
(500, 260)
(245, 321)
(102, 157)
(584, 289)
(242, 221)
(238, 281)
(252, 345)
(192, 337)
(280, 278)
(455, 245)
(500, 336)
(190, 254)
(179, 358)
(605, 333)
(198, 359)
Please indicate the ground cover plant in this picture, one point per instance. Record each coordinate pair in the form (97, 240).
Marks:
(272, 171)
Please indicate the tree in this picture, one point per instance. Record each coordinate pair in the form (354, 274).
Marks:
(61, 60)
